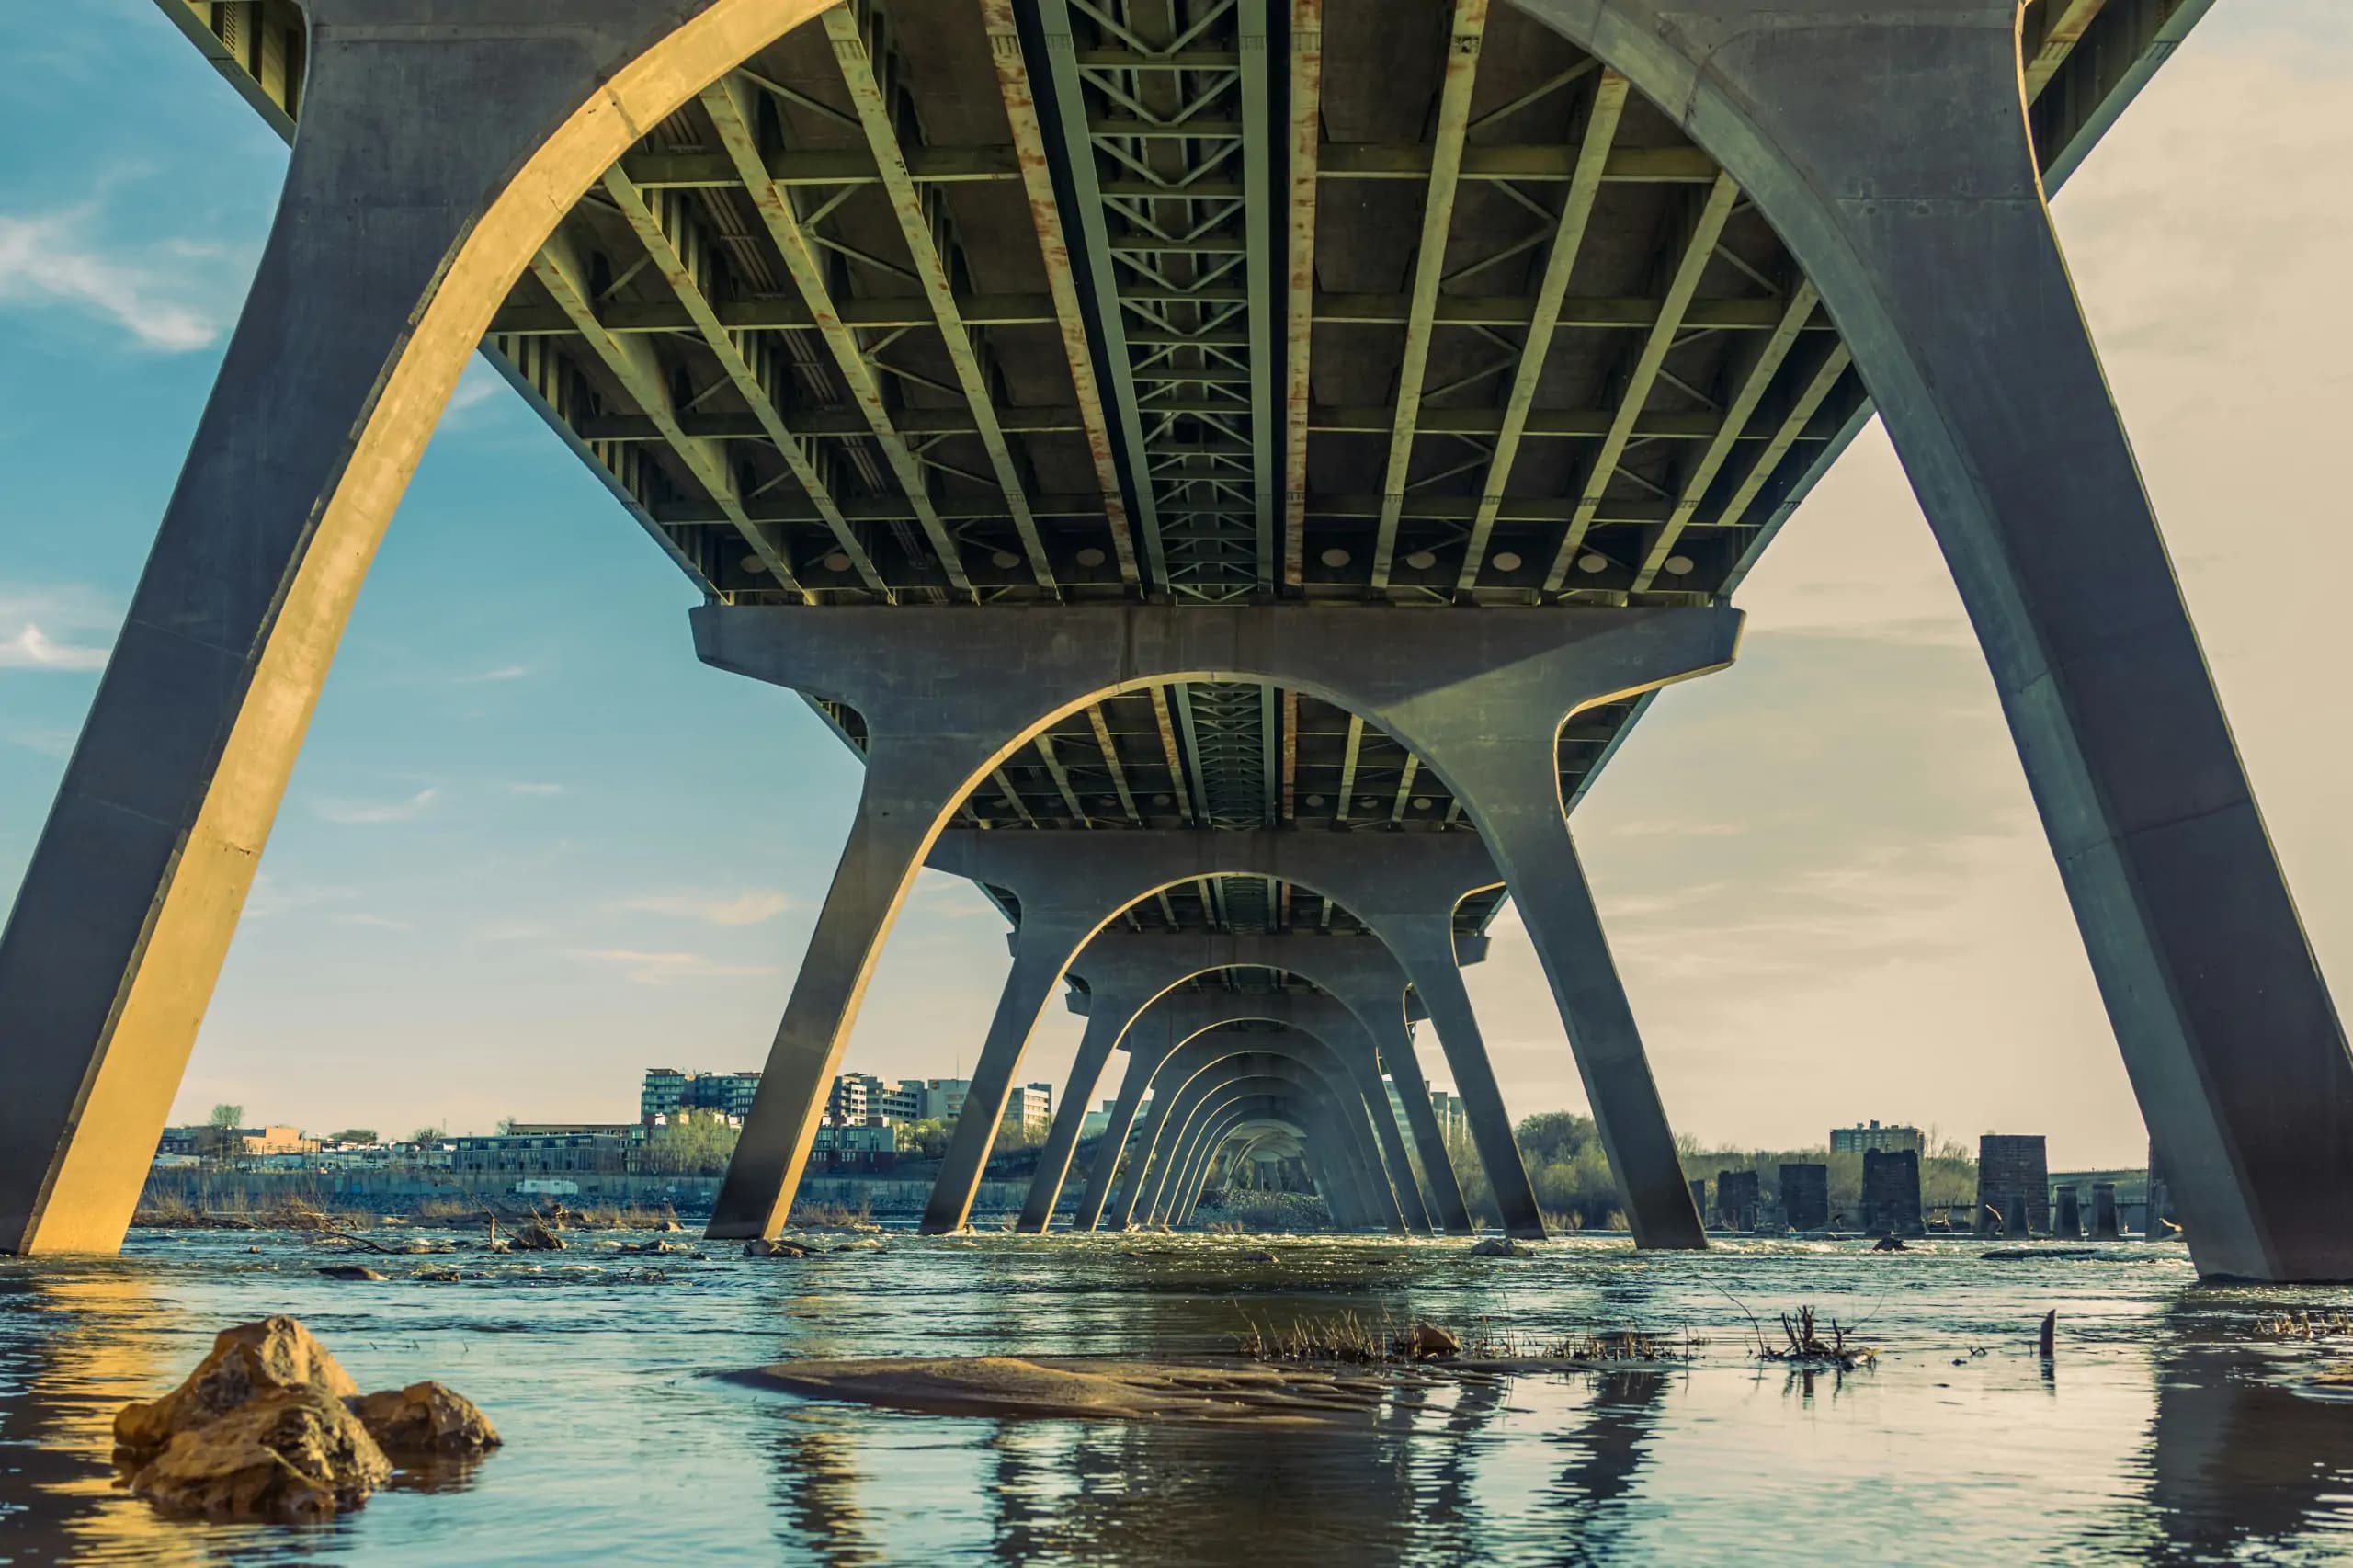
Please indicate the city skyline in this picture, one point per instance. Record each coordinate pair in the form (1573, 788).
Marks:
(639, 844)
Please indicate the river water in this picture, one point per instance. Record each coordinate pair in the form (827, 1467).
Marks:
(2174, 1424)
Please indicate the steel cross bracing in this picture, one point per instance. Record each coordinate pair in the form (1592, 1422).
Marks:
(1163, 106)
(987, 299)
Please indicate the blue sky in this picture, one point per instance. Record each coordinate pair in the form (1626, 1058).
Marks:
(532, 846)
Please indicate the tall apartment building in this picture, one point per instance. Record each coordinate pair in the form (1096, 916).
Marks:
(1873, 1139)
(893, 1099)
(667, 1091)
(943, 1098)
(1030, 1106)
(847, 1102)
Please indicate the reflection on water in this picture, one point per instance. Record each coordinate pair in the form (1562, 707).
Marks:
(2169, 1428)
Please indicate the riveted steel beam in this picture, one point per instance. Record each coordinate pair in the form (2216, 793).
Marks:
(1698, 245)
(1749, 383)
(1466, 31)
(1306, 137)
(1568, 238)
(855, 31)
(679, 253)
(1053, 247)
(632, 362)
(733, 117)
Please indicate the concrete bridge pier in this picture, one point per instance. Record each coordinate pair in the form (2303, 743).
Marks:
(413, 201)
(1187, 1077)
(1065, 899)
(1178, 1021)
(1912, 200)
(1126, 971)
(1350, 1189)
(1328, 1096)
(1238, 1131)
(1470, 694)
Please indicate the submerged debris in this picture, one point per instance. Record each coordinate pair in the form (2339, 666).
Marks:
(1807, 1347)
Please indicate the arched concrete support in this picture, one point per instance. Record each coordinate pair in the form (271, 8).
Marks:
(439, 146)
(1244, 1139)
(1125, 970)
(1232, 1135)
(1251, 1101)
(1912, 199)
(1233, 1081)
(1203, 1065)
(1416, 881)
(1179, 1089)
(1175, 1021)
(1480, 698)
(1192, 1081)
(1235, 1135)
(1065, 900)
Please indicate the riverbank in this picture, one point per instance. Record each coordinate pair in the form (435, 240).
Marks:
(414, 1192)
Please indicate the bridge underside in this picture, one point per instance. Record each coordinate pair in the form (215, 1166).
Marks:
(1170, 310)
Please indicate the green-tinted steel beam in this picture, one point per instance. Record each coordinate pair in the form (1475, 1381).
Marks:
(681, 253)
(1020, 100)
(733, 117)
(1568, 239)
(1065, 84)
(1306, 138)
(1466, 31)
(854, 29)
(631, 361)
(1749, 383)
(1698, 247)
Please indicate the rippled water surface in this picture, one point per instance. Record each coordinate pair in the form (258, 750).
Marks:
(2174, 1424)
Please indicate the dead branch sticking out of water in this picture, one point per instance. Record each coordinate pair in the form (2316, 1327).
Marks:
(1807, 1347)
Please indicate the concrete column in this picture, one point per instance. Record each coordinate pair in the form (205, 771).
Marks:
(1174, 1019)
(1912, 199)
(1207, 1071)
(2066, 1214)
(1107, 1018)
(1205, 1068)
(1126, 971)
(2105, 1225)
(413, 200)
(1114, 1143)
(1481, 697)
(1042, 950)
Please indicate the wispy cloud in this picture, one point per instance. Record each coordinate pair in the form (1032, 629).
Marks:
(528, 787)
(665, 969)
(48, 743)
(501, 672)
(373, 922)
(54, 258)
(748, 907)
(54, 627)
(270, 896)
(370, 814)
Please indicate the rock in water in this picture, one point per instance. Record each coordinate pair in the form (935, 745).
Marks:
(269, 1426)
(535, 1237)
(251, 1359)
(288, 1454)
(1428, 1342)
(349, 1271)
(426, 1420)
(762, 1246)
(1502, 1246)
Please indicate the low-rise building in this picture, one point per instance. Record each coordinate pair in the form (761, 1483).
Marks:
(667, 1091)
(867, 1146)
(545, 1147)
(848, 1102)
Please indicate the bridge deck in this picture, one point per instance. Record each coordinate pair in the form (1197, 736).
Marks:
(996, 303)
